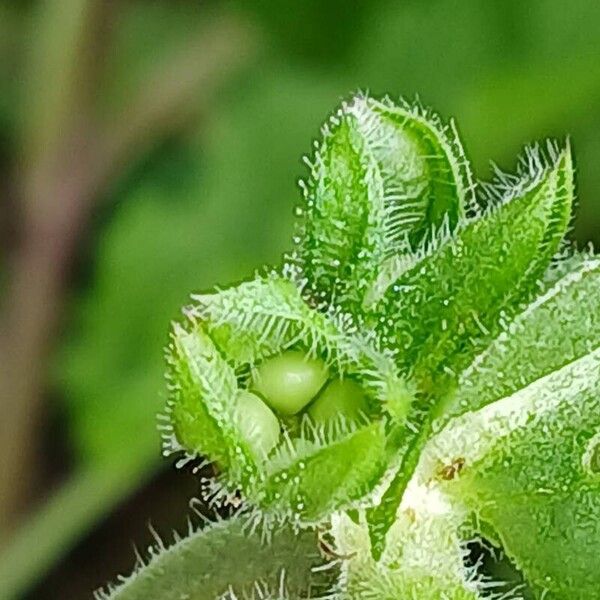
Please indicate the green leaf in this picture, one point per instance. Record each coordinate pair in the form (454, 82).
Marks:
(557, 328)
(225, 559)
(530, 471)
(259, 318)
(440, 306)
(203, 399)
(410, 439)
(383, 179)
(309, 479)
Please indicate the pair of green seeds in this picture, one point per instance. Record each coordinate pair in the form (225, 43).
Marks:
(287, 384)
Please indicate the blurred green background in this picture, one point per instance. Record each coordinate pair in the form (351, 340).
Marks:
(149, 148)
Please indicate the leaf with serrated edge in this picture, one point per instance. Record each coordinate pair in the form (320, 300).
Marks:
(224, 558)
(383, 179)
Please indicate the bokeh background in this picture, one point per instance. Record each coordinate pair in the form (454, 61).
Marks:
(149, 148)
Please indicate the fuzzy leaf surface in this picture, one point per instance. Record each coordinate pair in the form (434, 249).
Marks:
(438, 307)
(259, 318)
(203, 390)
(558, 328)
(441, 309)
(423, 560)
(222, 559)
(531, 472)
(248, 323)
(311, 482)
(383, 178)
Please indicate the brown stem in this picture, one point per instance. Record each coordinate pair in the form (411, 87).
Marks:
(65, 195)
(30, 311)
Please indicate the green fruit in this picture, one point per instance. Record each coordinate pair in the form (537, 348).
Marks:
(288, 382)
(340, 397)
(257, 424)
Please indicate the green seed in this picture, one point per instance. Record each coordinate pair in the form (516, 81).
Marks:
(345, 398)
(288, 382)
(257, 423)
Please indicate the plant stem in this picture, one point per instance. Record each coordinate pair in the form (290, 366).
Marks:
(69, 165)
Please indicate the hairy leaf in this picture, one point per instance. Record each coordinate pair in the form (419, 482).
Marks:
(311, 480)
(409, 438)
(530, 470)
(440, 305)
(202, 409)
(383, 179)
(400, 283)
(224, 559)
(424, 559)
(249, 323)
(557, 328)
(259, 318)
(266, 315)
